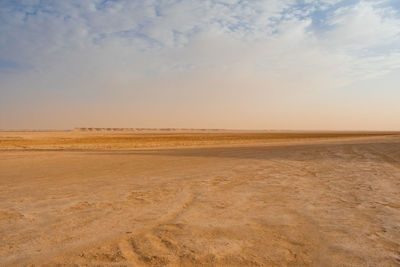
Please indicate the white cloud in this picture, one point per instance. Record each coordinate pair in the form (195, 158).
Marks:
(260, 45)
(363, 26)
(64, 29)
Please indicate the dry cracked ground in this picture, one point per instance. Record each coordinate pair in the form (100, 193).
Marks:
(322, 202)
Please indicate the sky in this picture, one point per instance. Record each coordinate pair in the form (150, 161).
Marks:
(236, 64)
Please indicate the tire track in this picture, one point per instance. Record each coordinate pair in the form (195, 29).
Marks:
(128, 245)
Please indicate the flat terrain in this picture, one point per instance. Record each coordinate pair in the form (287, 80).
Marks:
(110, 139)
(199, 198)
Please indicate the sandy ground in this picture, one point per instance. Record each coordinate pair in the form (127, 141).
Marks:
(237, 199)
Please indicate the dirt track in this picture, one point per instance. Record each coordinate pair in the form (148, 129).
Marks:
(315, 203)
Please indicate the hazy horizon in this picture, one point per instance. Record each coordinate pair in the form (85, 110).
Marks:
(251, 65)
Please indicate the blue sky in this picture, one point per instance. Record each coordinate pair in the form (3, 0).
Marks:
(219, 64)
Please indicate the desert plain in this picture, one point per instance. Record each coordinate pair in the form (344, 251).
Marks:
(170, 197)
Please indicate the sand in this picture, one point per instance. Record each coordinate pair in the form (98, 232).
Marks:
(192, 198)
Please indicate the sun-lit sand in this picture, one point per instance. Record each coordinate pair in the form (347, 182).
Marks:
(98, 197)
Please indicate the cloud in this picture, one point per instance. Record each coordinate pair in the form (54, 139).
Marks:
(364, 26)
(41, 35)
(137, 47)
